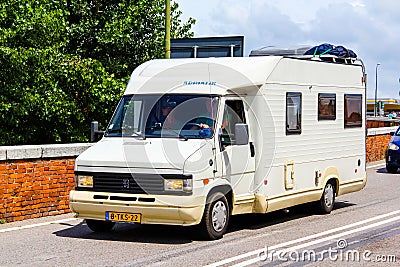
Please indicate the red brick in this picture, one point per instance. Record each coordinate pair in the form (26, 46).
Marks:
(35, 215)
(21, 167)
(12, 166)
(27, 203)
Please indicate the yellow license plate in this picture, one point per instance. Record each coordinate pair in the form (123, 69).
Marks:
(123, 217)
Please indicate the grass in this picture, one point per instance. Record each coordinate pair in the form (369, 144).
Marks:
(3, 221)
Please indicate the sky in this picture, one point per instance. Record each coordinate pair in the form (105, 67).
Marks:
(371, 28)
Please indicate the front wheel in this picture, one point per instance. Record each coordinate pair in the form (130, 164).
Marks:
(326, 203)
(216, 217)
(99, 226)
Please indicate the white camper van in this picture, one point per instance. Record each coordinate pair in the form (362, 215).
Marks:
(195, 141)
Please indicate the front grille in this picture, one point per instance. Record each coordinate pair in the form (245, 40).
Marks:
(128, 183)
(136, 183)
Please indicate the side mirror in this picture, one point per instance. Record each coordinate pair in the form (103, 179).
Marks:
(94, 131)
(392, 133)
(241, 134)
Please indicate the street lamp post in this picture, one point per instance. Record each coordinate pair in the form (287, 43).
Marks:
(376, 88)
(167, 28)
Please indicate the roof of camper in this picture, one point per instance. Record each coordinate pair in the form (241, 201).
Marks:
(201, 75)
(197, 75)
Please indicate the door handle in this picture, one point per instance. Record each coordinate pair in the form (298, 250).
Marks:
(252, 150)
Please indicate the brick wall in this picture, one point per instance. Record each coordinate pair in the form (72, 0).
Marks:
(377, 141)
(35, 188)
(376, 147)
(35, 181)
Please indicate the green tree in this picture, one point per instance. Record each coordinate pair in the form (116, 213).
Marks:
(122, 34)
(65, 63)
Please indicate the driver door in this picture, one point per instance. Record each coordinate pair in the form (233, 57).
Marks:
(238, 161)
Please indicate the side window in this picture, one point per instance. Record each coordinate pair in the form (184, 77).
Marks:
(233, 113)
(352, 110)
(326, 106)
(293, 113)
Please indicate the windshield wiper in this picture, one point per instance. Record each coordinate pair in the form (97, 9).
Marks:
(178, 134)
(182, 136)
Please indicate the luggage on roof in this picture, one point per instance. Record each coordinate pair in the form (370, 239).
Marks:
(328, 49)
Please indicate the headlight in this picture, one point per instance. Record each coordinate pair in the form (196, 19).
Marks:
(180, 185)
(84, 181)
(393, 146)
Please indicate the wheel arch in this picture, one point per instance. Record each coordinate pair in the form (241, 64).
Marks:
(332, 176)
(226, 190)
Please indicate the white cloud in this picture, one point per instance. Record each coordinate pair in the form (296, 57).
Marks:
(357, 4)
(261, 23)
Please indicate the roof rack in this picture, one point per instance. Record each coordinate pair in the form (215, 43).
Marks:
(299, 54)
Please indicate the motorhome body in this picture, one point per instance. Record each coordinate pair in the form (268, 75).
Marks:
(284, 131)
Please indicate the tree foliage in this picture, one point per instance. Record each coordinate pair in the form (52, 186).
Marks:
(65, 63)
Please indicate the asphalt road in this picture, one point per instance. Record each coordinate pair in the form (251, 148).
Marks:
(363, 230)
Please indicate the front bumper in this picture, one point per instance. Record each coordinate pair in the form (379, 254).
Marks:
(393, 158)
(155, 209)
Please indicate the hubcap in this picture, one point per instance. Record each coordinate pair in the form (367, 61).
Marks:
(219, 215)
(329, 195)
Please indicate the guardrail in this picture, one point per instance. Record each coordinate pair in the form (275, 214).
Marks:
(380, 131)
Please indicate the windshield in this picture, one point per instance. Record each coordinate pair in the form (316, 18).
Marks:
(170, 115)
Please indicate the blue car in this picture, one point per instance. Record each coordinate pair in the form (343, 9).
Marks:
(393, 152)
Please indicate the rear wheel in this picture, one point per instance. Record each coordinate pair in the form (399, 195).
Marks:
(216, 217)
(391, 169)
(99, 226)
(326, 203)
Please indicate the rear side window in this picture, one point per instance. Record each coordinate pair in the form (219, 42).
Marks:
(352, 110)
(293, 113)
(326, 106)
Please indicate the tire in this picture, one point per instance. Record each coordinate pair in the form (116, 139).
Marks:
(391, 169)
(99, 226)
(215, 218)
(327, 202)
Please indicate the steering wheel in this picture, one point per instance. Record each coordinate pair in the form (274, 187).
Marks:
(191, 125)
